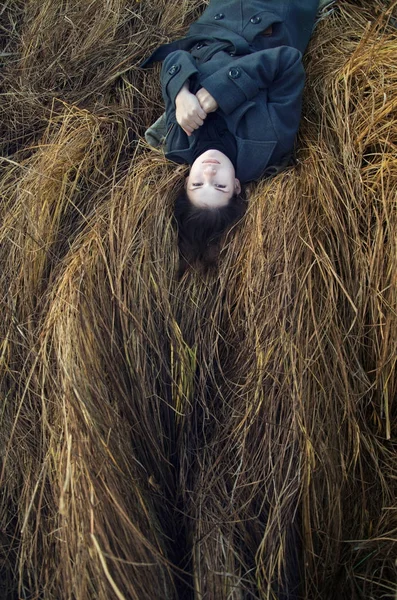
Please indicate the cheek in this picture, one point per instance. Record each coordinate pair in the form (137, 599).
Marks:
(231, 183)
(190, 177)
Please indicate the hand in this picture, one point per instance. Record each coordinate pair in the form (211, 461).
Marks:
(189, 114)
(207, 102)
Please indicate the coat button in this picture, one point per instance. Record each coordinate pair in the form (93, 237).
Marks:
(174, 69)
(219, 16)
(234, 73)
(255, 20)
(232, 54)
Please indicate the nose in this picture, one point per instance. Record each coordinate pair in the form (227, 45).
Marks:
(209, 171)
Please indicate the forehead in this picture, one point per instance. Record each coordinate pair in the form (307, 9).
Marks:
(208, 197)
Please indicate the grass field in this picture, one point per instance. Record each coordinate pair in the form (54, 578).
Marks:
(166, 438)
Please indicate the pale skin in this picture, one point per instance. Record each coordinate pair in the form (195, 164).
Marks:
(211, 181)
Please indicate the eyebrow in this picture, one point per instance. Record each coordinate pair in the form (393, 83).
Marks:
(193, 189)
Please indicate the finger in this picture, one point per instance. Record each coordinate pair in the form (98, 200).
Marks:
(201, 112)
(201, 100)
(194, 122)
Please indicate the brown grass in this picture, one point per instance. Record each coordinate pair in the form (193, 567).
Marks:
(178, 439)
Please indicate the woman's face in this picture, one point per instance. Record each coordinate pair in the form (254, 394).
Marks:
(211, 181)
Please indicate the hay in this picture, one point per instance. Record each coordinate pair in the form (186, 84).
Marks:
(166, 438)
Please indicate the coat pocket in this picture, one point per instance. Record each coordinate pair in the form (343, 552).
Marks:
(252, 158)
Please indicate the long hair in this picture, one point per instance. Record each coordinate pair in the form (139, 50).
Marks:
(200, 230)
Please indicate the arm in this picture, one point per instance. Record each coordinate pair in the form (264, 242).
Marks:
(279, 70)
(176, 70)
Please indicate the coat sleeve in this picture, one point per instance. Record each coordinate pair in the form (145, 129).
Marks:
(176, 70)
(279, 70)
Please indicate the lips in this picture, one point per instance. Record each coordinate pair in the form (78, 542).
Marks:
(211, 161)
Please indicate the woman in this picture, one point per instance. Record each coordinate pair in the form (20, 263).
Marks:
(233, 90)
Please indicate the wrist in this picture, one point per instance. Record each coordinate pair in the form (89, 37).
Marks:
(184, 90)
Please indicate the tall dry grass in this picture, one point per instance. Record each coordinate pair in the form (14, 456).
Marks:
(211, 436)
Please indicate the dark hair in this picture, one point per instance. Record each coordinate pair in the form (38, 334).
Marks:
(200, 230)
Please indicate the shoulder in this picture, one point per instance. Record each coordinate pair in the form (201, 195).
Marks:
(177, 147)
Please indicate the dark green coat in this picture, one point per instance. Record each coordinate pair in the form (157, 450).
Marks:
(257, 80)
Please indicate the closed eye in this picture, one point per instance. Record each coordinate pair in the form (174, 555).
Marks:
(217, 187)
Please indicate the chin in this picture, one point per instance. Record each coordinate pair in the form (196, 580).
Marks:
(213, 154)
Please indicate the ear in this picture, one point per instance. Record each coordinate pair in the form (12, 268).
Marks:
(237, 186)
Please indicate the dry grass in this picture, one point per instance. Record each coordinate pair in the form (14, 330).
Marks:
(179, 439)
